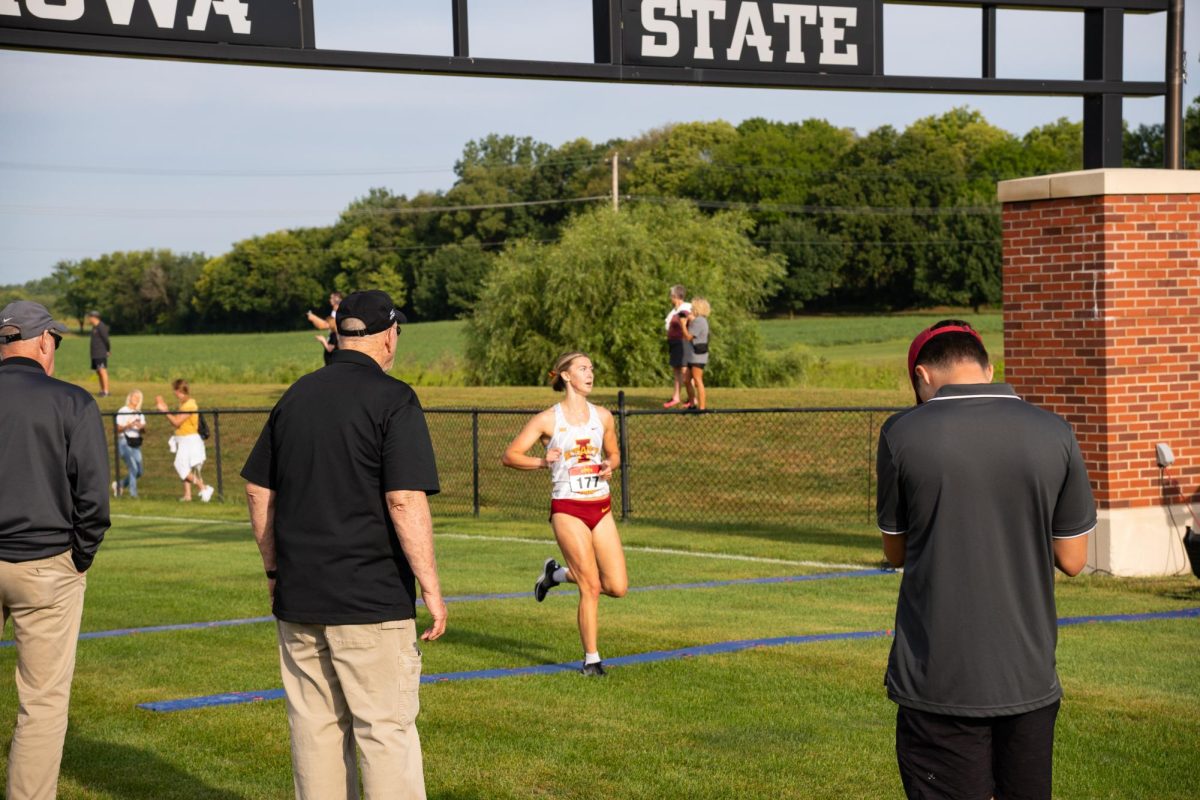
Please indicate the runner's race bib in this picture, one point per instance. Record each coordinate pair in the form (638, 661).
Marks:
(585, 478)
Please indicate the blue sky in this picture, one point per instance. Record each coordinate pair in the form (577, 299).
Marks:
(103, 154)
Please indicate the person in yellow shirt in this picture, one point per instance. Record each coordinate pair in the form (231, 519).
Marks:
(189, 447)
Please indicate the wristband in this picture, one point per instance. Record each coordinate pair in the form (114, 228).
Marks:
(272, 574)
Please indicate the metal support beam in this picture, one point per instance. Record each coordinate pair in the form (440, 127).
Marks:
(989, 41)
(570, 70)
(458, 22)
(601, 33)
(1173, 107)
(1103, 57)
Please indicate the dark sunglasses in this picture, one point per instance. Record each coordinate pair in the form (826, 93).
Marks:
(16, 337)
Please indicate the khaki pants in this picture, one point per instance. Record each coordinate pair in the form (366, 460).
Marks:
(45, 600)
(348, 685)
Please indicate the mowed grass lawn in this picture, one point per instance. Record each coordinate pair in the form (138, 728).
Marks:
(861, 360)
(797, 721)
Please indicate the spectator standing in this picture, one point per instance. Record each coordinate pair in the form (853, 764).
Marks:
(101, 349)
(695, 352)
(53, 516)
(327, 324)
(341, 548)
(674, 328)
(980, 496)
(130, 425)
(190, 452)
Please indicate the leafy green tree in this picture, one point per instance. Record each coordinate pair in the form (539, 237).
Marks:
(603, 289)
(1056, 147)
(450, 280)
(661, 161)
(1143, 146)
(264, 283)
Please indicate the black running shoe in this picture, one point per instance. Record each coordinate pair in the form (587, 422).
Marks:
(595, 670)
(546, 581)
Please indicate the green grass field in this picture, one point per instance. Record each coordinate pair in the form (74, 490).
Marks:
(851, 353)
(799, 721)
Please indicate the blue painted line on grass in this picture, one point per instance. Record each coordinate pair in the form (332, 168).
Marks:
(1181, 613)
(470, 598)
(717, 648)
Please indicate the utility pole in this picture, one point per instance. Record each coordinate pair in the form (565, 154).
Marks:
(616, 190)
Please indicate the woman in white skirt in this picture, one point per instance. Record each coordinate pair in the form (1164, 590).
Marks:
(189, 447)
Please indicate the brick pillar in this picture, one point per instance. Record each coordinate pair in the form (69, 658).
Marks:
(1102, 326)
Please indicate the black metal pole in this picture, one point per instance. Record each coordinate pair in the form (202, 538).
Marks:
(1173, 107)
(623, 444)
(1103, 60)
(217, 439)
(989, 42)
(458, 21)
(116, 451)
(475, 462)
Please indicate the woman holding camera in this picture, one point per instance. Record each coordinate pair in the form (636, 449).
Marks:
(581, 454)
(130, 424)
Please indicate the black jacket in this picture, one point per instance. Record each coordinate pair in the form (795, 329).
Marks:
(55, 480)
(100, 344)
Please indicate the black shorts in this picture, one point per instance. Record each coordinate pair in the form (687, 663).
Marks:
(963, 758)
(675, 346)
(98, 363)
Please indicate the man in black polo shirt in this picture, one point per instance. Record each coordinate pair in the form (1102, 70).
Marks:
(980, 495)
(337, 487)
(53, 516)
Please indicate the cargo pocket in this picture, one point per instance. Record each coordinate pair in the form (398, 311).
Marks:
(408, 670)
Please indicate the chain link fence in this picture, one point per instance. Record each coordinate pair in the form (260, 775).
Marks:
(731, 466)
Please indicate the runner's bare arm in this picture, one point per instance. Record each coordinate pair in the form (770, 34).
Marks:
(540, 428)
(612, 449)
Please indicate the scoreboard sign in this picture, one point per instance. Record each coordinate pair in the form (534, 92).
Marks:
(834, 37)
(271, 23)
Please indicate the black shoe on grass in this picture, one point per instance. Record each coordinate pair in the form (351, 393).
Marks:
(546, 581)
(594, 670)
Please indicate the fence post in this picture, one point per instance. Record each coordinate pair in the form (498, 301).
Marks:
(870, 436)
(217, 438)
(116, 452)
(475, 461)
(623, 444)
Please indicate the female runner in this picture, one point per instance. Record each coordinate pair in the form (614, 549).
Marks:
(581, 454)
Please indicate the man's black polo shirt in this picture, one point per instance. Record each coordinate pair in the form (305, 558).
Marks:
(336, 442)
(981, 482)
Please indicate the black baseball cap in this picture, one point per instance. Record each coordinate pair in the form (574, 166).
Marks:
(30, 319)
(373, 308)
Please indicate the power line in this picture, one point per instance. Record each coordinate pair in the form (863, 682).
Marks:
(168, 213)
(91, 169)
(864, 211)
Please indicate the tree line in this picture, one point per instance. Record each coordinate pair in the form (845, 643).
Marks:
(887, 220)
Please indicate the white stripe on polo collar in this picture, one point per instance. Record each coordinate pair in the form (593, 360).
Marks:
(972, 397)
